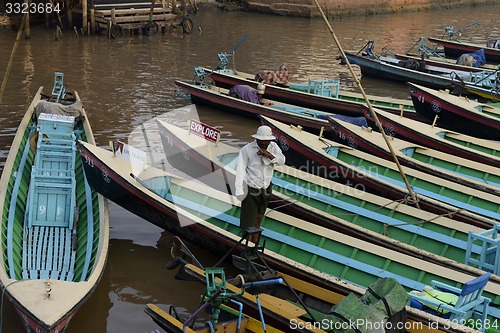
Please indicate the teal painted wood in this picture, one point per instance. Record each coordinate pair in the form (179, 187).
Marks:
(90, 229)
(296, 243)
(12, 207)
(490, 250)
(230, 160)
(437, 196)
(51, 203)
(417, 230)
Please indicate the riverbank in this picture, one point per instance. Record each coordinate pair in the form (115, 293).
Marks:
(341, 8)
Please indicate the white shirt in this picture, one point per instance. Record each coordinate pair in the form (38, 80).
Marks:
(256, 170)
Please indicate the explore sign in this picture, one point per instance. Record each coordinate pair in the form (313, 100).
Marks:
(209, 133)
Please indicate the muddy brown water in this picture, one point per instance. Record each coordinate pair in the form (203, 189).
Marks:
(128, 81)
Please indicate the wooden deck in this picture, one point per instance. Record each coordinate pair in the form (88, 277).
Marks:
(117, 18)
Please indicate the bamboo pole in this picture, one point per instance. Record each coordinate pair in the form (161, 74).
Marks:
(372, 111)
(11, 59)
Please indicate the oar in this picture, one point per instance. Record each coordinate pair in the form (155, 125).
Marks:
(372, 111)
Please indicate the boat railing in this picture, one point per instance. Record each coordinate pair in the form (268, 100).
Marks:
(486, 79)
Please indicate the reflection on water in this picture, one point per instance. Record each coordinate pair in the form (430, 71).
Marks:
(126, 82)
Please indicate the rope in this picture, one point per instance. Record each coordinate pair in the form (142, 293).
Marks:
(372, 111)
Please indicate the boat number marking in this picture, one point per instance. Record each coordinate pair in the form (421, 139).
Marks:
(436, 107)
(42, 209)
(351, 142)
(284, 143)
(389, 130)
(89, 161)
(105, 175)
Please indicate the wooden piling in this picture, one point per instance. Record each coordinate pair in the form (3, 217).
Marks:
(27, 31)
(93, 26)
(85, 24)
(69, 11)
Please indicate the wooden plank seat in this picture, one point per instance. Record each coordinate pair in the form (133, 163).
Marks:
(48, 249)
(48, 252)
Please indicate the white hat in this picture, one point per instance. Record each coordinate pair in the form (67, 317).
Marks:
(261, 88)
(264, 133)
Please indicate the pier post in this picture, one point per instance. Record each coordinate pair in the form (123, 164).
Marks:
(69, 10)
(93, 26)
(85, 23)
(27, 21)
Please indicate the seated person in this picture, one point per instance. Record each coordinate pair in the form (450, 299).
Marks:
(249, 94)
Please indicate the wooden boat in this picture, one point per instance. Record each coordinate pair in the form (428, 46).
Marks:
(388, 68)
(450, 64)
(215, 302)
(324, 202)
(458, 113)
(434, 162)
(281, 301)
(333, 160)
(230, 321)
(293, 304)
(489, 94)
(454, 49)
(209, 218)
(219, 98)
(466, 146)
(315, 95)
(55, 228)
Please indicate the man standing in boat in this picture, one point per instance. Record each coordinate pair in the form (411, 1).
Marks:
(254, 173)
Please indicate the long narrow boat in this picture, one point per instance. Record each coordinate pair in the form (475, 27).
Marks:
(218, 97)
(434, 162)
(228, 321)
(330, 159)
(450, 64)
(323, 202)
(388, 68)
(457, 113)
(215, 302)
(346, 103)
(298, 305)
(466, 146)
(454, 49)
(489, 93)
(55, 228)
(209, 218)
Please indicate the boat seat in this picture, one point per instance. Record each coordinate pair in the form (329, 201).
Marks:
(455, 303)
(489, 243)
(48, 245)
(59, 89)
(48, 252)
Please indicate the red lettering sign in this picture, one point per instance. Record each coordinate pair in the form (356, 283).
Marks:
(209, 133)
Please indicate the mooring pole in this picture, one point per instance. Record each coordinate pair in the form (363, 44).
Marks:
(372, 111)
